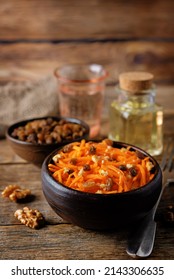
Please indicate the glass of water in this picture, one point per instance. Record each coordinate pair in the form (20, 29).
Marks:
(81, 93)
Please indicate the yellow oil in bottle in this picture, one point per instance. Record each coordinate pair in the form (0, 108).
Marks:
(137, 120)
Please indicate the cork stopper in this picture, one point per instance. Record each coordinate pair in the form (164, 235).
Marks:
(135, 81)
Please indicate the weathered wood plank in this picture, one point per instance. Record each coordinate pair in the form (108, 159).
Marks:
(62, 20)
(155, 57)
(6, 153)
(71, 242)
(60, 242)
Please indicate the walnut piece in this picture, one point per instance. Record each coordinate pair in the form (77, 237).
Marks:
(29, 217)
(15, 192)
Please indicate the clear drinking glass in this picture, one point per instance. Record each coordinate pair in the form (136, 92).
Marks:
(81, 93)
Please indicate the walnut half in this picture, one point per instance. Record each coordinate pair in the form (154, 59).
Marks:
(29, 217)
(15, 193)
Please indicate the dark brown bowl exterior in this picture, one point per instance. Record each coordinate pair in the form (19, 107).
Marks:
(36, 153)
(101, 211)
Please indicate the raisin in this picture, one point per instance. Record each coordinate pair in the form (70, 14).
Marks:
(67, 148)
(108, 142)
(86, 167)
(32, 138)
(92, 150)
(70, 171)
(140, 155)
(73, 161)
(122, 167)
(133, 171)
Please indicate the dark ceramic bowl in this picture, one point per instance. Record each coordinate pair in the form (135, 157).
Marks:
(101, 211)
(34, 152)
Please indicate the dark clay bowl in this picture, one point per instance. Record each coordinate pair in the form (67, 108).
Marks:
(101, 211)
(34, 152)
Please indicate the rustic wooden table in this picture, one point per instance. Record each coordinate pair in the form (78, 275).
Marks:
(120, 35)
(59, 239)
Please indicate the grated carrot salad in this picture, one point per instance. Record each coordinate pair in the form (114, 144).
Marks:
(97, 167)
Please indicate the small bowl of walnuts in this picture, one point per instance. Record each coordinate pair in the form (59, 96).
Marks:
(34, 139)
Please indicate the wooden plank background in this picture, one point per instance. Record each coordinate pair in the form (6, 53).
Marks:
(92, 19)
(38, 36)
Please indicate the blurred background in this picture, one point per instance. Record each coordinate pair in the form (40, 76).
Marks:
(37, 36)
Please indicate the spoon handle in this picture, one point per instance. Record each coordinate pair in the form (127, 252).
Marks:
(141, 240)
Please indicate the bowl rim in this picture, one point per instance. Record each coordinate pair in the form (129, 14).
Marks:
(57, 185)
(23, 122)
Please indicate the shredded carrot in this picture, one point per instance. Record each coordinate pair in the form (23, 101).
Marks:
(98, 167)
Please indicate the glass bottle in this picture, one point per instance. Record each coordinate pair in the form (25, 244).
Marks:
(135, 118)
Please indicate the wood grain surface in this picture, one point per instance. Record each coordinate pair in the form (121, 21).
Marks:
(38, 36)
(92, 19)
(155, 57)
